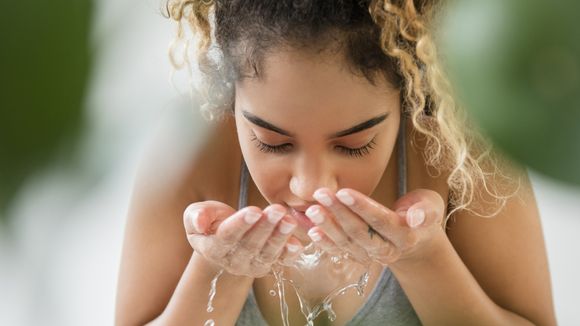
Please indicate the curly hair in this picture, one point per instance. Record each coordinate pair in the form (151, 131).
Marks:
(390, 38)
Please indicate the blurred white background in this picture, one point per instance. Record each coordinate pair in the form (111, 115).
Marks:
(59, 258)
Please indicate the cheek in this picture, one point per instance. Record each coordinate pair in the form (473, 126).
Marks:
(268, 173)
(364, 182)
(365, 175)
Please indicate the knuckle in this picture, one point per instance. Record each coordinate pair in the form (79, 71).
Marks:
(267, 258)
(249, 246)
(357, 251)
(357, 233)
(276, 239)
(343, 242)
(376, 222)
(227, 238)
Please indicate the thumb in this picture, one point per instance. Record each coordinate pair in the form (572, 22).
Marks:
(421, 207)
(204, 217)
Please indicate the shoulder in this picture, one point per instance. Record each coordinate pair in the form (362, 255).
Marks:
(215, 167)
(506, 253)
(188, 161)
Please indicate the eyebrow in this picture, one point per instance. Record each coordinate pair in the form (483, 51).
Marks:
(352, 130)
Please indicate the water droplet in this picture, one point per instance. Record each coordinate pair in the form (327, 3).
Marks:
(273, 293)
(209, 322)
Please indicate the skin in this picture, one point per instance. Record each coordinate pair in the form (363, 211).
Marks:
(328, 103)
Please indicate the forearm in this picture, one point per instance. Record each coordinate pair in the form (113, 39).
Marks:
(189, 302)
(444, 292)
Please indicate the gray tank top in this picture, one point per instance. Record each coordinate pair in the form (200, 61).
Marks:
(387, 303)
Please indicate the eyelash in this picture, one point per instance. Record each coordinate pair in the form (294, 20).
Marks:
(284, 148)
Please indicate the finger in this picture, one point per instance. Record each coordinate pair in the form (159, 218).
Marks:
(431, 198)
(275, 245)
(387, 223)
(353, 225)
(323, 241)
(216, 247)
(232, 229)
(327, 221)
(423, 214)
(198, 217)
(291, 252)
(251, 244)
(421, 208)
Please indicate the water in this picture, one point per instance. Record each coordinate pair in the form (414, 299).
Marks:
(278, 274)
(213, 290)
(312, 261)
(211, 296)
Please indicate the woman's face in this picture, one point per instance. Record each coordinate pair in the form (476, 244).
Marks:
(310, 123)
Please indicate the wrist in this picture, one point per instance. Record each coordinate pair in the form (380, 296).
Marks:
(213, 269)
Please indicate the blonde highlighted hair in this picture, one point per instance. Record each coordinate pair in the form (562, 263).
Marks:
(396, 37)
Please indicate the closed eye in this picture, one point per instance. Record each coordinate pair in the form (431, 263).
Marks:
(287, 147)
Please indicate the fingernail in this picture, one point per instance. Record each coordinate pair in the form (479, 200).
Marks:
(416, 217)
(286, 227)
(292, 247)
(252, 217)
(345, 198)
(323, 198)
(274, 215)
(314, 214)
(314, 235)
(193, 217)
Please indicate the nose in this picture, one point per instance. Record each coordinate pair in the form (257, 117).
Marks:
(310, 175)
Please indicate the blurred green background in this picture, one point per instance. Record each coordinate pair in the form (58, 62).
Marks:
(45, 60)
(516, 67)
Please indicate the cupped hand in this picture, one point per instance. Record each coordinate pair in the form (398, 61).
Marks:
(244, 242)
(352, 222)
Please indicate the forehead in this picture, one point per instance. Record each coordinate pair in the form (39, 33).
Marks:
(317, 85)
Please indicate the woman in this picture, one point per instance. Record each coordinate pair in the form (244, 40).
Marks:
(337, 128)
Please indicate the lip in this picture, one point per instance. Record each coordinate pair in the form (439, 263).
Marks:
(301, 218)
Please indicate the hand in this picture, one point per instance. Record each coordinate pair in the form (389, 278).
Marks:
(246, 242)
(352, 222)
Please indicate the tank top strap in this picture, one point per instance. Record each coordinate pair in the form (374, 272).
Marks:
(244, 176)
(402, 157)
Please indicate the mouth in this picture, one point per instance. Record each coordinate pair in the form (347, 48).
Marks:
(301, 218)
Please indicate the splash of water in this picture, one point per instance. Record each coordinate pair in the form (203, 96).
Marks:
(278, 275)
(311, 259)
